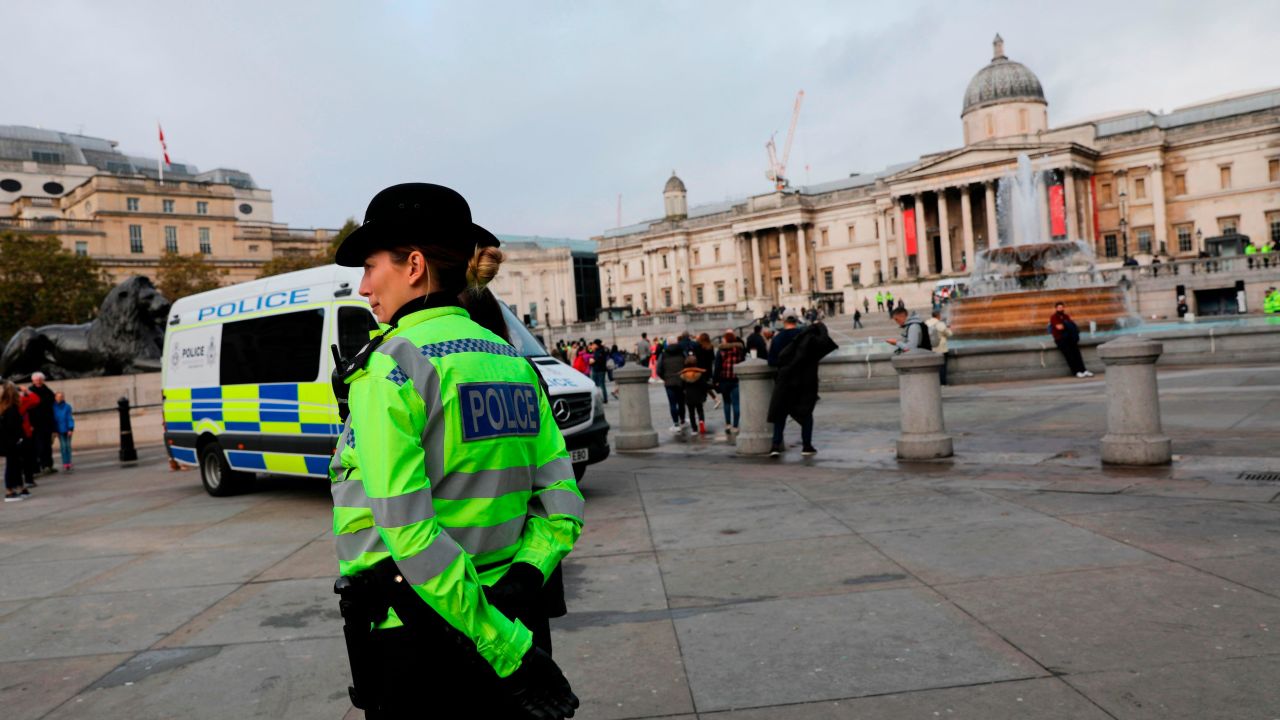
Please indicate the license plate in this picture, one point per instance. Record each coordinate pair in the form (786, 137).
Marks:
(578, 456)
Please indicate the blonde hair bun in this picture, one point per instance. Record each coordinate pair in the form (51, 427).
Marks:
(483, 266)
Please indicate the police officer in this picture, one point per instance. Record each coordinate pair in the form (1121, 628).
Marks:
(454, 498)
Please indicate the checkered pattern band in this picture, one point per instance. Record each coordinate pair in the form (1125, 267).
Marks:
(449, 347)
(397, 376)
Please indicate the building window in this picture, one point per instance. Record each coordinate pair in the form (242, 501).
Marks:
(82, 248)
(1022, 120)
(626, 270)
(1111, 250)
(1273, 226)
(131, 204)
(1184, 238)
(1106, 193)
(664, 264)
(1140, 188)
(715, 249)
(855, 274)
(876, 224)
(1224, 177)
(1228, 225)
(697, 294)
(202, 207)
(829, 278)
(51, 158)
(697, 257)
(720, 292)
(135, 238)
(824, 240)
(166, 206)
(1180, 184)
(666, 297)
(1273, 170)
(205, 247)
(253, 248)
(170, 239)
(626, 302)
(1144, 239)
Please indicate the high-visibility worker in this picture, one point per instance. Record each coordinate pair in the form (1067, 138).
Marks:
(454, 498)
(1271, 303)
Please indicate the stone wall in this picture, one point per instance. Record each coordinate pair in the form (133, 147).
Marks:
(97, 419)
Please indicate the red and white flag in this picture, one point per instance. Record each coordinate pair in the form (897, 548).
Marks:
(164, 149)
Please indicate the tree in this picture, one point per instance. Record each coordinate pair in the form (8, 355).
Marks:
(43, 283)
(183, 275)
(301, 261)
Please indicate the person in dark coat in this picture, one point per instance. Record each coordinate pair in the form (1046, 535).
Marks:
(42, 424)
(696, 384)
(669, 368)
(756, 343)
(1066, 335)
(795, 392)
(12, 440)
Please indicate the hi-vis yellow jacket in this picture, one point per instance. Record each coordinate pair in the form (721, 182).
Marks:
(451, 463)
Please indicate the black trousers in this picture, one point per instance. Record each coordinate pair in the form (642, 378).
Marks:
(13, 469)
(43, 440)
(1071, 351)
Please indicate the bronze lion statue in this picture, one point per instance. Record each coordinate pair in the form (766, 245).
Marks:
(126, 337)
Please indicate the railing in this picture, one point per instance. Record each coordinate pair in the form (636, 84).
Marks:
(51, 225)
(663, 321)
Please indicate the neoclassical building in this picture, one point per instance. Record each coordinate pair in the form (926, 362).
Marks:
(1140, 184)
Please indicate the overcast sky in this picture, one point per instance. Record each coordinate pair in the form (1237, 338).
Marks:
(542, 113)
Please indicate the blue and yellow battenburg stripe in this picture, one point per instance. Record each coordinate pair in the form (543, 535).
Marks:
(276, 409)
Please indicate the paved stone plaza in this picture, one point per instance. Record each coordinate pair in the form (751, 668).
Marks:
(1019, 580)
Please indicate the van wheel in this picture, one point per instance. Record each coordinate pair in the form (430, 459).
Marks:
(216, 475)
(578, 471)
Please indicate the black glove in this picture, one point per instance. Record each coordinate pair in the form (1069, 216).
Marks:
(539, 689)
(516, 594)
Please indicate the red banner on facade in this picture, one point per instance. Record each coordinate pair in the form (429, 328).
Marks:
(1057, 212)
(909, 229)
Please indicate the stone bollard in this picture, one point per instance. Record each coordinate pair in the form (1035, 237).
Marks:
(128, 453)
(1134, 435)
(920, 394)
(635, 431)
(755, 388)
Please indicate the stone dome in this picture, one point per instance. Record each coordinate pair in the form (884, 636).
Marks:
(674, 184)
(1003, 80)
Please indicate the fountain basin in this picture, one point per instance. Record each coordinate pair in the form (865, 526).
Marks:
(1027, 312)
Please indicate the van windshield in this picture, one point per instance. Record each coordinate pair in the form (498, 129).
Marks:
(521, 339)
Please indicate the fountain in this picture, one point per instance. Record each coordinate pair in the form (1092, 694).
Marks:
(1016, 284)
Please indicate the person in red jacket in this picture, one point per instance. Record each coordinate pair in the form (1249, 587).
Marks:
(26, 405)
(1066, 335)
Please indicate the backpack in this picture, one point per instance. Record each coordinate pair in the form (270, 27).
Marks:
(926, 337)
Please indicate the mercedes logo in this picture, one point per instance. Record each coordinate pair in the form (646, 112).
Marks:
(560, 409)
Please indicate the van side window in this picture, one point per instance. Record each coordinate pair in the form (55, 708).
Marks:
(273, 349)
(354, 326)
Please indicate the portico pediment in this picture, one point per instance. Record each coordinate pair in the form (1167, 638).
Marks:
(975, 163)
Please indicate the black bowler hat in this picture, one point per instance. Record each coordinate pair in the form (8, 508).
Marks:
(413, 214)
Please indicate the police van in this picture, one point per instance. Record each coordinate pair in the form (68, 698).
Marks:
(246, 378)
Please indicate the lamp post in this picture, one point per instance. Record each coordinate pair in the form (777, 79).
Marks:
(546, 311)
(680, 301)
(1124, 223)
(1199, 241)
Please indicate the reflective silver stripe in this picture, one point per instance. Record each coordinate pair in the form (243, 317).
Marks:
(402, 510)
(562, 502)
(480, 540)
(348, 493)
(427, 383)
(484, 484)
(553, 472)
(432, 561)
(335, 465)
(352, 545)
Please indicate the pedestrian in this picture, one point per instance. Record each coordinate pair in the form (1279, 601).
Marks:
(598, 360)
(725, 379)
(642, 349)
(42, 424)
(705, 352)
(1182, 307)
(693, 380)
(938, 334)
(888, 301)
(783, 338)
(28, 401)
(795, 390)
(866, 305)
(857, 319)
(12, 439)
(669, 369)
(580, 356)
(915, 336)
(442, 407)
(65, 421)
(880, 301)
(1066, 335)
(757, 344)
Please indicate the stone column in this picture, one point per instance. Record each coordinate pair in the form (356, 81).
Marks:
(993, 226)
(1134, 434)
(755, 263)
(1091, 231)
(922, 241)
(944, 230)
(651, 280)
(675, 277)
(1156, 181)
(1069, 185)
(920, 395)
(900, 234)
(802, 249)
(966, 220)
(1047, 226)
(884, 246)
(635, 427)
(782, 250)
(755, 388)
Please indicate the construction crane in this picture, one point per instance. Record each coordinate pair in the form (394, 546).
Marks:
(777, 171)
